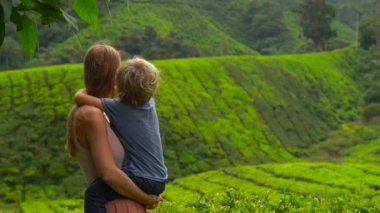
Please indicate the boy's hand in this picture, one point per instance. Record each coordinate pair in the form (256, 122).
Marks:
(82, 98)
(156, 200)
(78, 95)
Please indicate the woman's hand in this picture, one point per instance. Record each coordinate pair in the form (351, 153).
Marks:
(95, 132)
(154, 201)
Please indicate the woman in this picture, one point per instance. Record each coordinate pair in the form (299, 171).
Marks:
(89, 136)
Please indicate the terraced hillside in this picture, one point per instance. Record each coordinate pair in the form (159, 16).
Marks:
(214, 112)
(292, 187)
(283, 187)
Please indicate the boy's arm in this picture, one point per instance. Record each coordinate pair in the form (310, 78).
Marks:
(82, 98)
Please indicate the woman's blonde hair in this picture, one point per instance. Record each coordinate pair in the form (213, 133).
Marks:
(100, 66)
(137, 81)
(70, 132)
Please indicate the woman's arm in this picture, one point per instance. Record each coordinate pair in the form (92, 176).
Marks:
(95, 132)
(82, 98)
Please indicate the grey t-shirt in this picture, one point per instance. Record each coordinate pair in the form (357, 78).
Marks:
(138, 131)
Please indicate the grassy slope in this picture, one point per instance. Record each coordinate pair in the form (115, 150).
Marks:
(367, 153)
(214, 112)
(353, 142)
(295, 187)
(188, 22)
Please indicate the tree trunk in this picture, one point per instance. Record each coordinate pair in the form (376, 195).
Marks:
(377, 27)
(377, 22)
(319, 45)
(378, 37)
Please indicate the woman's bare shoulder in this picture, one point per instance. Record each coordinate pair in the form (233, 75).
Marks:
(88, 113)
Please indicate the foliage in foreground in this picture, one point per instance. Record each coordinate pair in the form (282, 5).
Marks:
(296, 187)
(20, 13)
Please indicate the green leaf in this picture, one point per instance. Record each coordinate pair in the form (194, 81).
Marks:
(87, 11)
(56, 3)
(2, 25)
(29, 4)
(28, 36)
(49, 13)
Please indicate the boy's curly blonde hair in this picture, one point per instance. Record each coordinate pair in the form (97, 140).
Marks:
(137, 81)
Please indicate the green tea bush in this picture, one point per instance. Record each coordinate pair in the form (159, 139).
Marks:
(371, 111)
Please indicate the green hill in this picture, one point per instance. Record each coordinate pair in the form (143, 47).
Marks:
(196, 29)
(214, 112)
(202, 27)
(179, 28)
(294, 187)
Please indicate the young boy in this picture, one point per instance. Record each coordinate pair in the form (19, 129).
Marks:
(134, 119)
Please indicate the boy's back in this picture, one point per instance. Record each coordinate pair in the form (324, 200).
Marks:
(138, 131)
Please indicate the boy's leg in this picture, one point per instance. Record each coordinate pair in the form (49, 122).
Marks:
(96, 196)
(148, 186)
